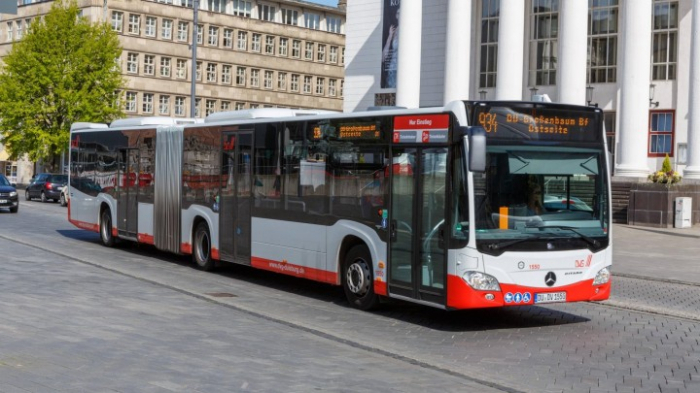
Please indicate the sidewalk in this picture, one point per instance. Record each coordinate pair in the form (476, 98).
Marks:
(669, 254)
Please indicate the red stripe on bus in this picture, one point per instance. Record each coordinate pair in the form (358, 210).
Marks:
(380, 287)
(290, 269)
(462, 296)
(146, 238)
(85, 225)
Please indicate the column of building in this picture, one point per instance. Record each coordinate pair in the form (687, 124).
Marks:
(634, 80)
(571, 70)
(409, 63)
(692, 171)
(457, 44)
(511, 30)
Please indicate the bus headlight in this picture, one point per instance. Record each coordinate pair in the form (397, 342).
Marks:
(602, 277)
(481, 281)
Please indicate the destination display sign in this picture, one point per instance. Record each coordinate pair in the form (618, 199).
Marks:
(539, 122)
(355, 130)
(421, 129)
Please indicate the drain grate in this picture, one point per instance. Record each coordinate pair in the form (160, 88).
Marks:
(220, 294)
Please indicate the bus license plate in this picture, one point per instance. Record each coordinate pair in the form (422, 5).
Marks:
(551, 297)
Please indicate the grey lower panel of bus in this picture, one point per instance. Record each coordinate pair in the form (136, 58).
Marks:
(168, 189)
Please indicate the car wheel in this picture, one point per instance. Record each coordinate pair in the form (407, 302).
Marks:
(201, 253)
(14, 209)
(357, 279)
(43, 197)
(106, 229)
(26, 195)
(62, 199)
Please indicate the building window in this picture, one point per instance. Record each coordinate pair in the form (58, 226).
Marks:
(254, 78)
(312, 21)
(164, 105)
(240, 106)
(282, 81)
(9, 31)
(543, 42)
(290, 17)
(488, 46)
(333, 55)
(331, 87)
(19, 29)
(267, 80)
(117, 21)
(134, 23)
(321, 53)
(342, 86)
(197, 107)
(166, 32)
(211, 72)
(147, 103)
(181, 69)
(602, 41)
(282, 50)
(661, 126)
(216, 5)
(267, 12)
(307, 84)
(213, 36)
(309, 51)
(182, 28)
(296, 48)
(254, 106)
(242, 8)
(210, 107)
(255, 42)
(226, 74)
(149, 64)
(151, 27)
(294, 84)
(132, 63)
(242, 40)
(269, 45)
(130, 102)
(320, 89)
(240, 76)
(200, 34)
(225, 106)
(179, 106)
(665, 40)
(228, 38)
(333, 24)
(165, 67)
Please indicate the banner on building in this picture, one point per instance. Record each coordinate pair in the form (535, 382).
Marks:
(390, 43)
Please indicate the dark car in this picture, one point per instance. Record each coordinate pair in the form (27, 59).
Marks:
(8, 195)
(46, 186)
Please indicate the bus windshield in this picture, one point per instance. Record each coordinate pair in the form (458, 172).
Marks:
(534, 198)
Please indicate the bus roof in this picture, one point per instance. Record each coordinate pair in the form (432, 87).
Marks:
(262, 113)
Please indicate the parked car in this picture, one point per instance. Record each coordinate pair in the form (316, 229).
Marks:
(8, 195)
(46, 186)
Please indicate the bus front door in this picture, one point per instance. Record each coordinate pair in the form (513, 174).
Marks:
(418, 257)
(127, 196)
(236, 197)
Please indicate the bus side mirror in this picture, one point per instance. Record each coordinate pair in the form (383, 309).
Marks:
(475, 145)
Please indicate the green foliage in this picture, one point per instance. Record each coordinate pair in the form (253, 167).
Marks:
(666, 166)
(64, 70)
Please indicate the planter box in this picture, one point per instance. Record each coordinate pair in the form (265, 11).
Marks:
(653, 205)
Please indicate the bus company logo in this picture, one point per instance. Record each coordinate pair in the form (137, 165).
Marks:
(579, 263)
(521, 265)
(426, 136)
(550, 279)
(230, 144)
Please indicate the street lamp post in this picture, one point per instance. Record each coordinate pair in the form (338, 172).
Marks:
(193, 87)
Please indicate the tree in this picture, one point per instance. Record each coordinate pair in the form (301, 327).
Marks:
(64, 70)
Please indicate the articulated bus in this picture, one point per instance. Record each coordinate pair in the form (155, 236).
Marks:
(425, 205)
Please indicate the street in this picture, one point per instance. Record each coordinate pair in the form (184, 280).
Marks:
(80, 317)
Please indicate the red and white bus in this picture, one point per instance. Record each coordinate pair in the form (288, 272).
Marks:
(426, 205)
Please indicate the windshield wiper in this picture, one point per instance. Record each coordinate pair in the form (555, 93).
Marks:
(588, 239)
(497, 246)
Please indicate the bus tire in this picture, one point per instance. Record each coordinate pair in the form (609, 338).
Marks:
(201, 249)
(106, 228)
(357, 279)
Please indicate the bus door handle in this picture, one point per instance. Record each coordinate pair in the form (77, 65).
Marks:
(392, 230)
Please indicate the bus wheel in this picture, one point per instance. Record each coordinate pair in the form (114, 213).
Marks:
(106, 229)
(357, 279)
(201, 254)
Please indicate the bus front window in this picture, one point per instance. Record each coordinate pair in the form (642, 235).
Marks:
(536, 199)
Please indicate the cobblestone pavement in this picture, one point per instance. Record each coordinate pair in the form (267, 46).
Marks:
(581, 347)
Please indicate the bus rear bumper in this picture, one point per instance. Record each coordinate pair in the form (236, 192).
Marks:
(461, 296)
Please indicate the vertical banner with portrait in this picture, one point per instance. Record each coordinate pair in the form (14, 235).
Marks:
(390, 43)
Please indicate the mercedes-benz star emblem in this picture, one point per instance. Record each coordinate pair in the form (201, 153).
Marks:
(550, 279)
